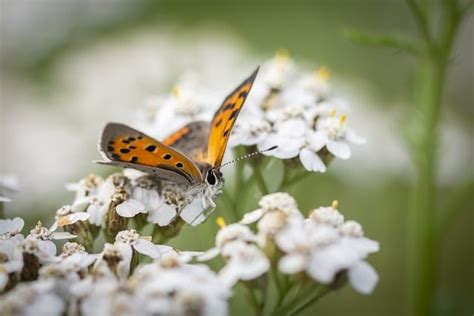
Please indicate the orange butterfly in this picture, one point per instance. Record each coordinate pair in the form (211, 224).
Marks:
(192, 156)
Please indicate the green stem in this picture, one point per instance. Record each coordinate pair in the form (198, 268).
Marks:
(431, 77)
(254, 300)
(458, 201)
(322, 291)
(296, 301)
(430, 86)
(260, 180)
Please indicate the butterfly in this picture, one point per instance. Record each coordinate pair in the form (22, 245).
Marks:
(190, 157)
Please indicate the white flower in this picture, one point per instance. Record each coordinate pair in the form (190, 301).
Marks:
(37, 298)
(327, 215)
(113, 261)
(67, 215)
(40, 242)
(75, 258)
(11, 227)
(44, 250)
(250, 130)
(345, 254)
(106, 296)
(225, 236)
(275, 202)
(172, 287)
(11, 260)
(332, 132)
(183, 105)
(289, 136)
(244, 262)
(116, 189)
(128, 239)
(277, 71)
(86, 187)
(298, 241)
(190, 204)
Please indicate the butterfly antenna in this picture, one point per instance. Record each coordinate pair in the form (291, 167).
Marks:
(248, 156)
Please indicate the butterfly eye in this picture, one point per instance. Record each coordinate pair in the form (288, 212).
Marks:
(211, 177)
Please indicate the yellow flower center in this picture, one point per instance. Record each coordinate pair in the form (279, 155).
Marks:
(323, 73)
(175, 91)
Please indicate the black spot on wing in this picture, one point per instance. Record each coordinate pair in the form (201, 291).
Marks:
(167, 156)
(243, 94)
(115, 156)
(179, 165)
(227, 131)
(150, 148)
(218, 123)
(228, 107)
(124, 150)
(134, 159)
(233, 114)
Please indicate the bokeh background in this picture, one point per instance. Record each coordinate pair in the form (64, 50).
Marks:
(67, 67)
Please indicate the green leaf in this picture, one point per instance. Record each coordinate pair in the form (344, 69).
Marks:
(398, 41)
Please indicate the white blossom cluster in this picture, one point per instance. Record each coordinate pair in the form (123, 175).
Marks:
(321, 246)
(126, 195)
(289, 108)
(298, 112)
(75, 282)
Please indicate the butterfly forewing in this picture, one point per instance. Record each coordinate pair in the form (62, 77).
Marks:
(224, 119)
(125, 146)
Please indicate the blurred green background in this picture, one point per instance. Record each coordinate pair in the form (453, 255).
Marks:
(69, 66)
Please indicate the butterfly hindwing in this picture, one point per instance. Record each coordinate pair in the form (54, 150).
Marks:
(224, 119)
(191, 140)
(127, 147)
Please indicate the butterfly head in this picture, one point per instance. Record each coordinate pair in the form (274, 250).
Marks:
(213, 177)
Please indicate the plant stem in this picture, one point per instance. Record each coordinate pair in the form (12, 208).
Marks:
(260, 180)
(254, 300)
(322, 291)
(430, 83)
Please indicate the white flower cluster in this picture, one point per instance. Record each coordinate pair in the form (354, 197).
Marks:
(288, 108)
(126, 195)
(297, 112)
(78, 283)
(321, 246)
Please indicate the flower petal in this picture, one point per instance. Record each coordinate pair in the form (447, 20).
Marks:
(209, 254)
(311, 161)
(150, 249)
(292, 263)
(363, 277)
(163, 215)
(63, 235)
(339, 149)
(251, 217)
(317, 140)
(130, 208)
